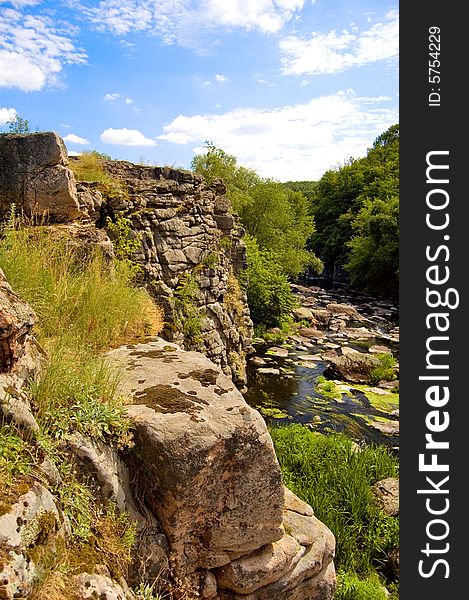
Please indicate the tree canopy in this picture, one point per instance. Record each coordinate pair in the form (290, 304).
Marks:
(356, 211)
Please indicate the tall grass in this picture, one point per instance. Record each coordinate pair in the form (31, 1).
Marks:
(83, 309)
(335, 479)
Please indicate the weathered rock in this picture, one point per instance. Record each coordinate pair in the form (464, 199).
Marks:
(378, 349)
(311, 333)
(386, 493)
(190, 422)
(313, 578)
(34, 176)
(295, 504)
(104, 464)
(344, 309)
(306, 529)
(16, 321)
(88, 586)
(303, 313)
(17, 575)
(278, 352)
(261, 568)
(20, 358)
(386, 427)
(33, 513)
(84, 239)
(354, 366)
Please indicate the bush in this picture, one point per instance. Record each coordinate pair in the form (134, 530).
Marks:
(269, 294)
(385, 368)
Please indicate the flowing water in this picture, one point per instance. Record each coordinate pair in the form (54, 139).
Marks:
(292, 396)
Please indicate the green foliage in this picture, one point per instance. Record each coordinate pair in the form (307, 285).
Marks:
(336, 481)
(18, 125)
(188, 315)
(374, 249)
(124, 241)
(268, 291)
(352, 587)
(385, 368)
(88, 166)
(275, 215)
(356, 211)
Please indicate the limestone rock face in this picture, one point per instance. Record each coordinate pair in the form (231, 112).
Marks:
(206, 461)
(190, 248)
(34, 176)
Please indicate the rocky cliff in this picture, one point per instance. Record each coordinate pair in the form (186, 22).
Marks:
(190, 247)
(202, 482)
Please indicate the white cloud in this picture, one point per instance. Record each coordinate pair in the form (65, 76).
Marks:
(33, 50)
(126, 137)
(185, 22)
(221, 78)
(22, 3)
(335, 52)
(129, 101)
(71, 138)
(291, 142)
(7, 114)
(111, 97)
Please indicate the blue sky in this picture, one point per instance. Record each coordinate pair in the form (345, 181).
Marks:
(290, 87)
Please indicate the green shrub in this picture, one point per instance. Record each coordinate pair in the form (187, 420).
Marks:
(269, 294)
(385, 368)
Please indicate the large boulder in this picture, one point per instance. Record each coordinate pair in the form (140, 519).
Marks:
(205, 461)
(35, 178)
(351, 366)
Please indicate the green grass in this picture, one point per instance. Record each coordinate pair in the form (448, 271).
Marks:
(336, 481)
(352, 587)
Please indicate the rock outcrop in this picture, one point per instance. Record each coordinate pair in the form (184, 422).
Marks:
(189, 245)
(207, 470)
(191, 251)
(35, 178)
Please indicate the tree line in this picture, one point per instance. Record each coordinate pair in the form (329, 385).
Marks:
(347, 219)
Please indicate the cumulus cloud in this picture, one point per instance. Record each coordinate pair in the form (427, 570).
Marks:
(126, 137)
(111, 97)
(221, 78)
(7, 114)
(185, 22)
(33, 50)
(71, 138)
(334, 52)
(291, 142)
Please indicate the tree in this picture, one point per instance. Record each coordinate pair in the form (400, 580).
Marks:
(18, 125)
(356, 210)
(275, 216)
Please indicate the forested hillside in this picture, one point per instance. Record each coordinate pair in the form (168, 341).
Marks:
(356, 213)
